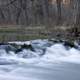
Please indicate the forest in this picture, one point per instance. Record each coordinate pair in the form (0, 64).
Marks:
(41, 13)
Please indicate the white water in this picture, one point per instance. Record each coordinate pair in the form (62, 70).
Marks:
(58, 52)
(58, 62)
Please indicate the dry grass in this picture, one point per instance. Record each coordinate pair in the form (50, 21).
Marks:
(12, 33)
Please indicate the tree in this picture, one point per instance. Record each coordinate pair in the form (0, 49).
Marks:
(76, 12)
(58, 11)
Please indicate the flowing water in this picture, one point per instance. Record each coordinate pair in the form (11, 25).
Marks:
(48, 61)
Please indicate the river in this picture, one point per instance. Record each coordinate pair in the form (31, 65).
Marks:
(49, 61)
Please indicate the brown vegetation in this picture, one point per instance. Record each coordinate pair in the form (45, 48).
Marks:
(48, 13)
(39, 12)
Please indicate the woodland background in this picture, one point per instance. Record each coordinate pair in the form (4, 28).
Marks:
(40, 18)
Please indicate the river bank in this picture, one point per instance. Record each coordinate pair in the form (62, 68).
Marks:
(23, 33)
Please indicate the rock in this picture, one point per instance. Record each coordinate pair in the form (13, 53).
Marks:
(18, 50)
(70, 44)
(27, 47)
(7, 47)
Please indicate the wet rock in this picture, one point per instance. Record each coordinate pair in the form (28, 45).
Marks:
(27, 47)
(18, 50)
(24, 46)
(70, 44)
(56, 41)
(7, 47)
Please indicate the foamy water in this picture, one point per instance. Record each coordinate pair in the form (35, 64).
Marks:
(49, 61)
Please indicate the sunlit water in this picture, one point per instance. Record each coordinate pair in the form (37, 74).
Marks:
(49, 61)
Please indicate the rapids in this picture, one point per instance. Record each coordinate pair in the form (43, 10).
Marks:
(40, 60)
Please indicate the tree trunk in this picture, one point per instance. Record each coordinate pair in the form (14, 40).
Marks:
(58, 11)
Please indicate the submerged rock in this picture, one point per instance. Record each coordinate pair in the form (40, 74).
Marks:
(7, 47)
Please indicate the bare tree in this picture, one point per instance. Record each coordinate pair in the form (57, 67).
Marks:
(58, 11)
(2, 14)
(38, 12)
